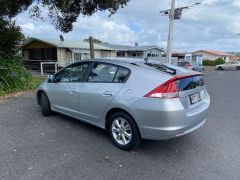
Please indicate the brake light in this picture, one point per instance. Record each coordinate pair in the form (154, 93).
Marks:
(167, 90)
(189, 64)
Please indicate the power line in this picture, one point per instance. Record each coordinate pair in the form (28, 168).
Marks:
(217, 3)
(203, 21)
(206, 30)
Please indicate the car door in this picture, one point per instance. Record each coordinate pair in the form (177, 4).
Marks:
(227, 66)
(64, 93)
(103, 83)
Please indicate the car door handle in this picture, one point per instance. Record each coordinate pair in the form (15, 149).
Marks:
(73, 92)
(108, 94)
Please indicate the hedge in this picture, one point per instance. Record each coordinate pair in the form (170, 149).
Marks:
(213, 63)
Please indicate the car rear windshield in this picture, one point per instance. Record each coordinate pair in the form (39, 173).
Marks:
(190, 83)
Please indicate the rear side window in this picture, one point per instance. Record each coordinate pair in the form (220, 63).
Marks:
(102, 72)
(190, 83)
(122, 75)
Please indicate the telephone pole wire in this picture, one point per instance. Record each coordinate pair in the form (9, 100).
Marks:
(174, 14)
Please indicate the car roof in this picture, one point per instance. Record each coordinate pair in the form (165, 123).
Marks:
(136, 63)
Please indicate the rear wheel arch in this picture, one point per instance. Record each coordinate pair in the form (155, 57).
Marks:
(114, 110)
(238, 67)
(220, 68)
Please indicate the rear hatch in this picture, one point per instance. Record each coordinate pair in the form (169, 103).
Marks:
(185, 84)
(191, 90)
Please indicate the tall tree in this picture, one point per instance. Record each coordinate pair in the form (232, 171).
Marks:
(10, 39)
(62, 13)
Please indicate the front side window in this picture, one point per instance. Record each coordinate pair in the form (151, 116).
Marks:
(74, 73)
(102, 72)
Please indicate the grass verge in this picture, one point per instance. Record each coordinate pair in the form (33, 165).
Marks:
(32, 84)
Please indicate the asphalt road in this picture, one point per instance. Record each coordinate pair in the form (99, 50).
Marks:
(58, 147)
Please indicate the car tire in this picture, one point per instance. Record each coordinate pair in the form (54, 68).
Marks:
(220, 68)
(45, 105)
(123, 131)
(238, 68)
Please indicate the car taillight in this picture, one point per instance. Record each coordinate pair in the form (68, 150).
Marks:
(167, 90)
(170, 89)
(189, 64)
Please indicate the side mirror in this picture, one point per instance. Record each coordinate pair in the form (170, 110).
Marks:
(51, 79)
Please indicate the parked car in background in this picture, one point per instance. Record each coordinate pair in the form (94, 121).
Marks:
(188, 65)
(131, 99)
(229, 66)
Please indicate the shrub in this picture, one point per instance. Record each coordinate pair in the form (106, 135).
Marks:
(219, 61)
(213, 63)
(208, 63)
(13, 76)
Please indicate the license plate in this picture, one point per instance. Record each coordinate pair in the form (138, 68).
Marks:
(194, 98)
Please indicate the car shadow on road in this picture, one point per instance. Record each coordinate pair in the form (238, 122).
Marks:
(150, 147)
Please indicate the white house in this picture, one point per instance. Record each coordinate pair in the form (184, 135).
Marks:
(126, 51)
(213, 55)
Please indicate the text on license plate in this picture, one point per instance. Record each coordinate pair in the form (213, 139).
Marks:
(194, 98)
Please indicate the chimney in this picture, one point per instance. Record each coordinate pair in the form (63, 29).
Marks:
(136, 43)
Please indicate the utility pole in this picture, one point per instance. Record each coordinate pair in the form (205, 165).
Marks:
(170, 32)
(174, 14)
(91, 47)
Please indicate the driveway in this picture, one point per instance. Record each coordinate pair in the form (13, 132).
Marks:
(59, 147)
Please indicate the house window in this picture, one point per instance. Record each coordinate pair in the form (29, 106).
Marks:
(134, 54)
(37, 53)
(47, 54)
(140, 54)
(77, 56)
(120, 54)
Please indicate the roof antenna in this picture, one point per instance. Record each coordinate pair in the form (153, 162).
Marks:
(61, 38)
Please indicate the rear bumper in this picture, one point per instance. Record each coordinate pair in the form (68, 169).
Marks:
(172, 121)
(169, 133)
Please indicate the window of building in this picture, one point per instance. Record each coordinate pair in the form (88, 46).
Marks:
(77, 57)
(140, 54)
(134, 54)
(120, 54)
(47, 54)
(37, 53)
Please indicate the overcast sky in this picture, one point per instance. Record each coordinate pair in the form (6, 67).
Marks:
(211, 26)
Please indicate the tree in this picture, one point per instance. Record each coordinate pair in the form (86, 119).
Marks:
(10, 39)
(62, 13)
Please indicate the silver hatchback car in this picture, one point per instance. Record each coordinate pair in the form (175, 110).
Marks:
(131, 99)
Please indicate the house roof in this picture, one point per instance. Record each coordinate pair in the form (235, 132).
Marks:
(68, 44)
(131, 48)
(217, 53)
(178, 53)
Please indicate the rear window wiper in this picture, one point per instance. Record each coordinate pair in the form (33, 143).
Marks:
(162, 67)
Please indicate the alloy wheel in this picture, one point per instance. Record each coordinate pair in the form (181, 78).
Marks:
(121, 131)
